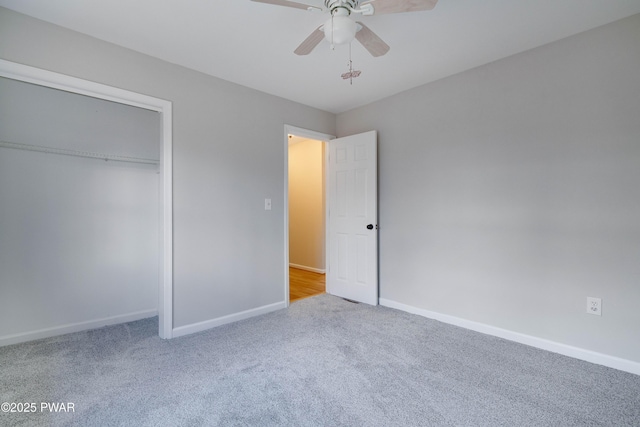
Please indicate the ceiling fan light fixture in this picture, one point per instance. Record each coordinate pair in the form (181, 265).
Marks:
(340, 29)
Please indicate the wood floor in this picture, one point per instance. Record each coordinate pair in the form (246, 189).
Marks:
(304, 284)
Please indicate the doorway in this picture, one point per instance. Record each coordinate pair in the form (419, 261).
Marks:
(305, 219)
(74, 85)
(352, 229)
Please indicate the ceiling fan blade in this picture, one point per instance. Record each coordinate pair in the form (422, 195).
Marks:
(371, 41)
(310, 42)
(288, 4)
(397, 6)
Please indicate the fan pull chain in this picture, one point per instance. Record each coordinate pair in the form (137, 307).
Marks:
(350, 66)
(351, 74)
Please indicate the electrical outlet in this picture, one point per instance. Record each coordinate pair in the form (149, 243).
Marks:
(594, 306)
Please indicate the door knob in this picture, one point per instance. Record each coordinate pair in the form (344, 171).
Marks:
(370, 227)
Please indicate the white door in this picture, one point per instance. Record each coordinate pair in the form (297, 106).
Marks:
(352, 190)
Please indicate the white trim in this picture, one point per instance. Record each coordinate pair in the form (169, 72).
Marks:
(46, 78)
(304, 267)
(38, 76)
(208, 324)
(75, 327)
(541, 343)
(165, 298)
(305, 133)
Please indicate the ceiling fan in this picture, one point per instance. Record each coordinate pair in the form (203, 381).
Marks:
(341, 29)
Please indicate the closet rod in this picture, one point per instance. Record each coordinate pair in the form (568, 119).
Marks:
(76, 153)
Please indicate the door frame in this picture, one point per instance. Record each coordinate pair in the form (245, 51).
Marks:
(324, 138)
(76, 85)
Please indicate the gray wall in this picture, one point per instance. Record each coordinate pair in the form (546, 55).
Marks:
(228, 157)
(511, 192)
(78, 236)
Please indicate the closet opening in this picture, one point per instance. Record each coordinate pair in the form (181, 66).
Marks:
(85, 171)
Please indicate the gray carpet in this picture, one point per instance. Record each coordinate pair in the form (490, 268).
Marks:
(322, 362)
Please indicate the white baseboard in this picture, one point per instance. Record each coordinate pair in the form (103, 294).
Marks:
(304, 267)
(555, 347)
(75, 327)
(208, 324)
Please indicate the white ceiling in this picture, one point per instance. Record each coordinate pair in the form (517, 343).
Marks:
(252, 43)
